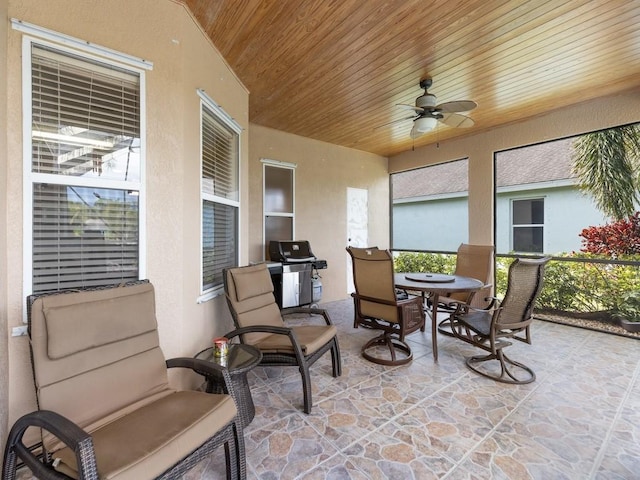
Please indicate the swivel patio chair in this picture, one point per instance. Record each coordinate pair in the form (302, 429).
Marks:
(377, 306)
(105, 407)
(475, 261)
(493, 328)
(259, 322)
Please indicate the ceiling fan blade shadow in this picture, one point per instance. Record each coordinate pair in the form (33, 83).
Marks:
(457, 106)
(456, 120)
(394, 122)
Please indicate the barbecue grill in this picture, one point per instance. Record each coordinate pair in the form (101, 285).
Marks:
(291, 268)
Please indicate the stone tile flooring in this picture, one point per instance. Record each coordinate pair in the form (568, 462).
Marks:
(579, 420)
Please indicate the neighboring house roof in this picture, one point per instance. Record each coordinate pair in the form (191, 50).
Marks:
(544, 162)
(532, 164)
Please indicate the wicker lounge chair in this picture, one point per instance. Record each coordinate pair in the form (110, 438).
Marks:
(106, 409)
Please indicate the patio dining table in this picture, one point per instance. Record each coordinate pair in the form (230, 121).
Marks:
(436, 284)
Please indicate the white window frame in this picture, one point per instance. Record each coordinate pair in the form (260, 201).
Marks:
(226, 120)
(525, 225)
(35, 35)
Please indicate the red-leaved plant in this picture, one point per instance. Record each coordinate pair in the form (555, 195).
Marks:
(614, 239)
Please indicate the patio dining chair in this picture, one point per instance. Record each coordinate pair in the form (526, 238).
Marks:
(378, 306)
(475, 261)
(493, 329)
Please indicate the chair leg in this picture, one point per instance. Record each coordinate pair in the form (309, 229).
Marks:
(393, 344)
(240, 454)
(306, 387)
(336, 361)
(506, 371)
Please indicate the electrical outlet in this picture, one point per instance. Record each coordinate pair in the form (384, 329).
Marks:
(19, 331)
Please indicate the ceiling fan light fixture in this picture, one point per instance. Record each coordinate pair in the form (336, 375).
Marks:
(425, 124)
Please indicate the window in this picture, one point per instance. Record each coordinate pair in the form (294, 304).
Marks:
(278, 202)
(83, 190)
(527, 220)
(220, 140)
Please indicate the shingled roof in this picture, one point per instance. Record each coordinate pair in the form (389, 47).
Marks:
(533, 164)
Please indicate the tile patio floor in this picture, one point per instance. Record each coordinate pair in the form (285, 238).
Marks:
(579, 420)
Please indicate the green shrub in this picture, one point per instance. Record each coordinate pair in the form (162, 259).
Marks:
(570, 286)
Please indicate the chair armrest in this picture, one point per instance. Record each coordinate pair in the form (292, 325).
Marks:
(462, 307)
(297, 348)
(261, 329)
(64, 429)
(310, 311)
(374, 300)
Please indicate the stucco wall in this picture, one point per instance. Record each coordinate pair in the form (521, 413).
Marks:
(4, 287)
(589, 116)
(323, 174)
(184, 60)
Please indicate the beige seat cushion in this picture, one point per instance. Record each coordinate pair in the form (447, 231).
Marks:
(150, 440)
(310, 337)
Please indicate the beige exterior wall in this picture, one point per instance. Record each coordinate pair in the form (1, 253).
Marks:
(184, 60)
(586, 117)
(322, 176)
(4, 288)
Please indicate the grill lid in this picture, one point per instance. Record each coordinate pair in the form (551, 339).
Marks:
(291, 251)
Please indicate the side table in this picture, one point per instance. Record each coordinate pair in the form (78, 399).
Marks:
(239, 360)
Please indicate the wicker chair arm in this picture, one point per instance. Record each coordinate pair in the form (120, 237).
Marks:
(310, 311)
(65, 430)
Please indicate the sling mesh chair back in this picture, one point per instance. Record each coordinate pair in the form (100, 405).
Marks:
(493, 328)
(376, 306)
(475, 261)
(106, 409)
(259, 322)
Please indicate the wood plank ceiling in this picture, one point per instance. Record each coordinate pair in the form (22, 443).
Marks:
(335, 70)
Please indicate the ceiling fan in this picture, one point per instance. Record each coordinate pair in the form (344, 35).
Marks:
(428, 113)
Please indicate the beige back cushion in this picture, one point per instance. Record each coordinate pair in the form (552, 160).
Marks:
(96, 352)
(250, 298)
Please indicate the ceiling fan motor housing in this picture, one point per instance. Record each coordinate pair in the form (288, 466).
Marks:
(426, 101)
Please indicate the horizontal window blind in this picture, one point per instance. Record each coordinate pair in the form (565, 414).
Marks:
(220, 157)
(83, 115)
(85, 124)
(219, 240)
(83, 237)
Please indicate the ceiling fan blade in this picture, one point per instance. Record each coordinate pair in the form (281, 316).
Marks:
(415, 133)
(457, 106)
(395, 121)
(456, 120)
(410, 107)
